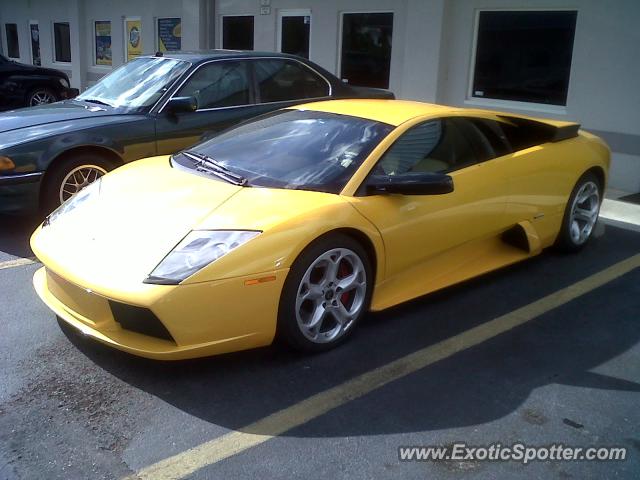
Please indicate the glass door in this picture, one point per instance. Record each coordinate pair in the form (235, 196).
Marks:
(294, 32)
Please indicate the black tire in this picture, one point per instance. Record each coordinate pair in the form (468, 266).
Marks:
(41, 92)
(288, 329)
(58, 171)
(565, 242)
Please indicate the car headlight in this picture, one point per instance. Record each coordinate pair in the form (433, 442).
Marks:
(197, 250)
(64, 82)
(80, 198)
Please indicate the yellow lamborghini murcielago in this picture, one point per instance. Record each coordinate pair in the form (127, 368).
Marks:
(296, 223)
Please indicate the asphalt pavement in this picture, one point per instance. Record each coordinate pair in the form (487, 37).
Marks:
(567, 373)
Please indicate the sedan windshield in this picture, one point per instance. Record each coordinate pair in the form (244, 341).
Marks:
(294, 149)
(139, 83)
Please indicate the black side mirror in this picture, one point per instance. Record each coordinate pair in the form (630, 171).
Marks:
(182, 104)
(413, 183)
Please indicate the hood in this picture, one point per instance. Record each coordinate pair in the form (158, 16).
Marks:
(117, 238)
(51, 114)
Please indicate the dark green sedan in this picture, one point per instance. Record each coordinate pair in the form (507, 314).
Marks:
(153, 105)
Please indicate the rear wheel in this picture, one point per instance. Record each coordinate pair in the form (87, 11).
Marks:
(581, 214)
(327, 292)
(67, 177)
(41, 96)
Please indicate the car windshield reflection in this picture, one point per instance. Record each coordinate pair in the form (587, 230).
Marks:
(139, 83)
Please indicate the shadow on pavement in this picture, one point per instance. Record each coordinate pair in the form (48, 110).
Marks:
(477, 385)
(15, 232)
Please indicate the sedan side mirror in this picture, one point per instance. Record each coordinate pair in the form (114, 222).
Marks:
(413, 183)
(182, 104)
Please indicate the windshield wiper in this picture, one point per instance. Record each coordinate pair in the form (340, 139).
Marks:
(206, 164)
(95, 100)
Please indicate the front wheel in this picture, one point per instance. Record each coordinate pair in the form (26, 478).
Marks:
(327, 292)
(581, 214)
(67, 177)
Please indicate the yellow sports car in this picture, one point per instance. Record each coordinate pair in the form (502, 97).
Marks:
(296, 223)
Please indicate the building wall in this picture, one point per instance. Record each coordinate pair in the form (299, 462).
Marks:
(433, 44)
(603, 88)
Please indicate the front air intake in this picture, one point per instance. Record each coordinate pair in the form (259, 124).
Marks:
(139, 320)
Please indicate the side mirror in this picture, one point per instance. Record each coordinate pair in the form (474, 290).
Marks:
(414, 183)
(182, 104)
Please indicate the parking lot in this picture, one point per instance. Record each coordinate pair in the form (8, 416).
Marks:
(546, 351)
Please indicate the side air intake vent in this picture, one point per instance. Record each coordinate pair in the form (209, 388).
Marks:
(139, 320)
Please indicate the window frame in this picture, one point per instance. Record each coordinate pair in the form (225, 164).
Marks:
(341, 15)
(8, 55)
(53, 44)
(34, 22)
(292, 12)
(220, 35)
(513, 104)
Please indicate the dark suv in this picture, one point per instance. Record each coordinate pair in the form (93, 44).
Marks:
(27, 85)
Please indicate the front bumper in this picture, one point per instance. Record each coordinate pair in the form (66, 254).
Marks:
(20, 193)
(202, 319)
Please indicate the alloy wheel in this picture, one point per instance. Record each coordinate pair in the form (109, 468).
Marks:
(331, 295)
(41, 97)
(78, 178)
(584, 212)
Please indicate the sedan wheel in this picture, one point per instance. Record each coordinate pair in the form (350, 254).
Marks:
(78, 178)
(41, 97)
(327, 291)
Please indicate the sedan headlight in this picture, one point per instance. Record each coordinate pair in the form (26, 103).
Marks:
(80, 198)
(197, 250)
(64, 82)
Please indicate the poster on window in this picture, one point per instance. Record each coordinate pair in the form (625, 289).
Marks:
(35, 44)
(169, 34)
(133, 38)
(103, 43)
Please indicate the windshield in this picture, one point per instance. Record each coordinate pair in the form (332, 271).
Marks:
(139, 83)
(294, 149)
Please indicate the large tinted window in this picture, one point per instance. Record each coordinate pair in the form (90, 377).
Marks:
(13, 48)
(434, 146)
(62, 40)
(219, 84)
(295, 149)
(237, 32)
(524, 55)
(281, 80)
(366, 48)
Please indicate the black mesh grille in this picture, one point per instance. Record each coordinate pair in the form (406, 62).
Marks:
(140, 320)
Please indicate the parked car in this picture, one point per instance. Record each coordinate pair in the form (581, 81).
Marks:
(294, 224)
(153, 105)
(28, 85)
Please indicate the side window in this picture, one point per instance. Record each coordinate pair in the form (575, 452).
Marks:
(491, 130)
(433, 146)
(219, 84)
(282, 80)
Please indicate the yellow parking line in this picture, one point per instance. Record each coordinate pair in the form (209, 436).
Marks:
(18, 262)
(213, 451)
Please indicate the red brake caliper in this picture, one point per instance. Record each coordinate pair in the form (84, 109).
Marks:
(344, 271)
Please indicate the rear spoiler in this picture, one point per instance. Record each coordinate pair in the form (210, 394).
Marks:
(552, 130)
(565, 132)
